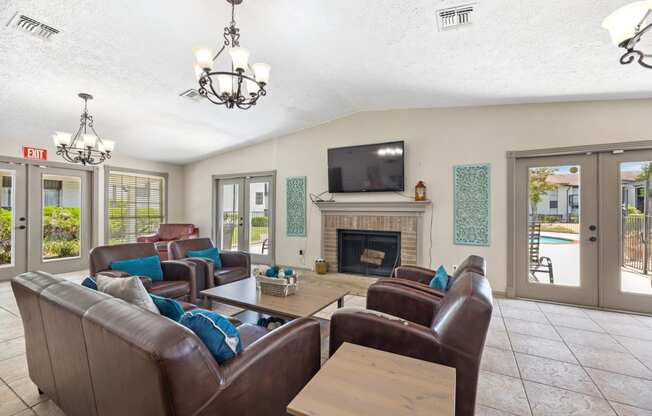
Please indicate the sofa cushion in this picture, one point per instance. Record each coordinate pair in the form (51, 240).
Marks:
(170, 288)
(167, 307)
(210, 253)
(230, 274)
(149, 266)
(130, 289)
(219, 335)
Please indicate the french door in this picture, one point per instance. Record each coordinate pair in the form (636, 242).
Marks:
(45, 219)
(584, 229)
(245, 216)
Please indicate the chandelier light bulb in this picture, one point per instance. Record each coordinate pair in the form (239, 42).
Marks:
(240, 58)
(623, 22)
(62, 139)
(199, 71)
(90, 140)
(261, 72)
(204, 58)
(252, 87)
(108, 145)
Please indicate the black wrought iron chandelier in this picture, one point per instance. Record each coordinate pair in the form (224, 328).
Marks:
(240, 87)
(627, 26)
(83, 147)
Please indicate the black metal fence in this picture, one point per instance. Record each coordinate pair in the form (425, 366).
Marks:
(636, 242)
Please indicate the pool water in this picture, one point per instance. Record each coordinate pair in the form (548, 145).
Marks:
(554, 240)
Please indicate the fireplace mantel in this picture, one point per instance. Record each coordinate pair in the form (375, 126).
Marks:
(374, 206)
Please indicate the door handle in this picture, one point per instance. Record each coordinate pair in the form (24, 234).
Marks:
(593, 239)
(592, 227)
(21, 227)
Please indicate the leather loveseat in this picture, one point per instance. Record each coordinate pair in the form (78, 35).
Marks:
(95, 355)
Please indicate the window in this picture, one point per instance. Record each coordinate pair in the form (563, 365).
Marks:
(135, 205)
(573, 201)
(553, 200)
(5, 192)
(52, 193)
(259, 198)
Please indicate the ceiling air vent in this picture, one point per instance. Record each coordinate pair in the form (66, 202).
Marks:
(32, 26)
(454, 17)
(192, 94)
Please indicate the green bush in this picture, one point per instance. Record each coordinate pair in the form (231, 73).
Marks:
(59, 249)
(5, 236)
(60, 224)
(259, 222)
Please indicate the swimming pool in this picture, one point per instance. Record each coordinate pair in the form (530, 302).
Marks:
(555, 240)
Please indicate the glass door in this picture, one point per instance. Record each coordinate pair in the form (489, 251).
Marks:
(59, 219)
(231, 214)
(259, 218)
(626, 220)
(13, 220)
(245, 216)
(557, 238)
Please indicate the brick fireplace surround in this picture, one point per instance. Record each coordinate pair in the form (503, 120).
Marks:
(404, 217)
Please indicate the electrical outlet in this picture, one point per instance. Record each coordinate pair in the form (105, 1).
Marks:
(301, 252)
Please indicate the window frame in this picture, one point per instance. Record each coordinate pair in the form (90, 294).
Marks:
(108, 170)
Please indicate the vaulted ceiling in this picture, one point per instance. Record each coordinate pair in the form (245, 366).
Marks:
(329, 59)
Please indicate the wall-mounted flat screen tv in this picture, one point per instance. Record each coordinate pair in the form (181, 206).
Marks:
(367, 168)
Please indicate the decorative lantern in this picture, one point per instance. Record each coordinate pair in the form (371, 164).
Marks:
(420, 191)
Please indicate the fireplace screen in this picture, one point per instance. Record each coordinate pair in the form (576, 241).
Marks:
(368, 252)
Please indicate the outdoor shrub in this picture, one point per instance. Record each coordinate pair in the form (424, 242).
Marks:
(60, 223)
(55, 249)
(5, 236)
(259, 222)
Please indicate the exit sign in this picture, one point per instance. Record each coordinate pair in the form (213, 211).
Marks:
(35, 153)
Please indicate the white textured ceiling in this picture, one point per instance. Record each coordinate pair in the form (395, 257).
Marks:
(329, 59)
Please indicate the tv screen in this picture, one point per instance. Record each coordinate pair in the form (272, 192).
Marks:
(368, 168)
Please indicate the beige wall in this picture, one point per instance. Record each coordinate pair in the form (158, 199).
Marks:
(436, 139)
(13, 148)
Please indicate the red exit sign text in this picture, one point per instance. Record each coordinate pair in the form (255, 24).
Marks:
(35, 153)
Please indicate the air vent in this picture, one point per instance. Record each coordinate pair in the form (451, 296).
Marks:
(32, 26)
(454, 17)
(192, 94)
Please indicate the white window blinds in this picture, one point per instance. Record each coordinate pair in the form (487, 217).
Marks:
(135, 205)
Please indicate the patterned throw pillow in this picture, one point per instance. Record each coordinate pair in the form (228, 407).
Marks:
(218, 334)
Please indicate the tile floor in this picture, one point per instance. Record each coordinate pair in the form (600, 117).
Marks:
(539, 359)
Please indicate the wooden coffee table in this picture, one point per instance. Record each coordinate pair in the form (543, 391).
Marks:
(360, 381)
(307, 301)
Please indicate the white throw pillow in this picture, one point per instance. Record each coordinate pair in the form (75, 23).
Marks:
(130, 289)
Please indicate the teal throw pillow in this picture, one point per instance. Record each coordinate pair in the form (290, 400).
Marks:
(141, 266)
(440, 280)
(210, 253)
(169, 308)
(218, 334)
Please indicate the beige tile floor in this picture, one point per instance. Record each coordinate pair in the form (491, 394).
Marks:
(539, 359)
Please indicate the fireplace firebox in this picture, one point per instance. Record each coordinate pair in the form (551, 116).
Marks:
(368, 252)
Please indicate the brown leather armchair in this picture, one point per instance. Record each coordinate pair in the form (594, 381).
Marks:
(93, 354)
(179, 277)
(167, 233)
(236, 265)
(450, 331)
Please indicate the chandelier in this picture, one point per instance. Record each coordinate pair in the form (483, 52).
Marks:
(83, 147)
(627, 26)
(242, 85)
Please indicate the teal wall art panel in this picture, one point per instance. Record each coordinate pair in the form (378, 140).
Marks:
(471, 187)
(296, 206)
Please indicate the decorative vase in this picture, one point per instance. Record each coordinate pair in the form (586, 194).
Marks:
(420, 191)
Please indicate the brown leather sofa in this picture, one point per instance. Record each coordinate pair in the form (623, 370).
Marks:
(449, 331)
(167, 233)
(95, 355)
(236, 265)
(179, 277)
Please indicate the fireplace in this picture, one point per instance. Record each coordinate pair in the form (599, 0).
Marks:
(368, 252)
